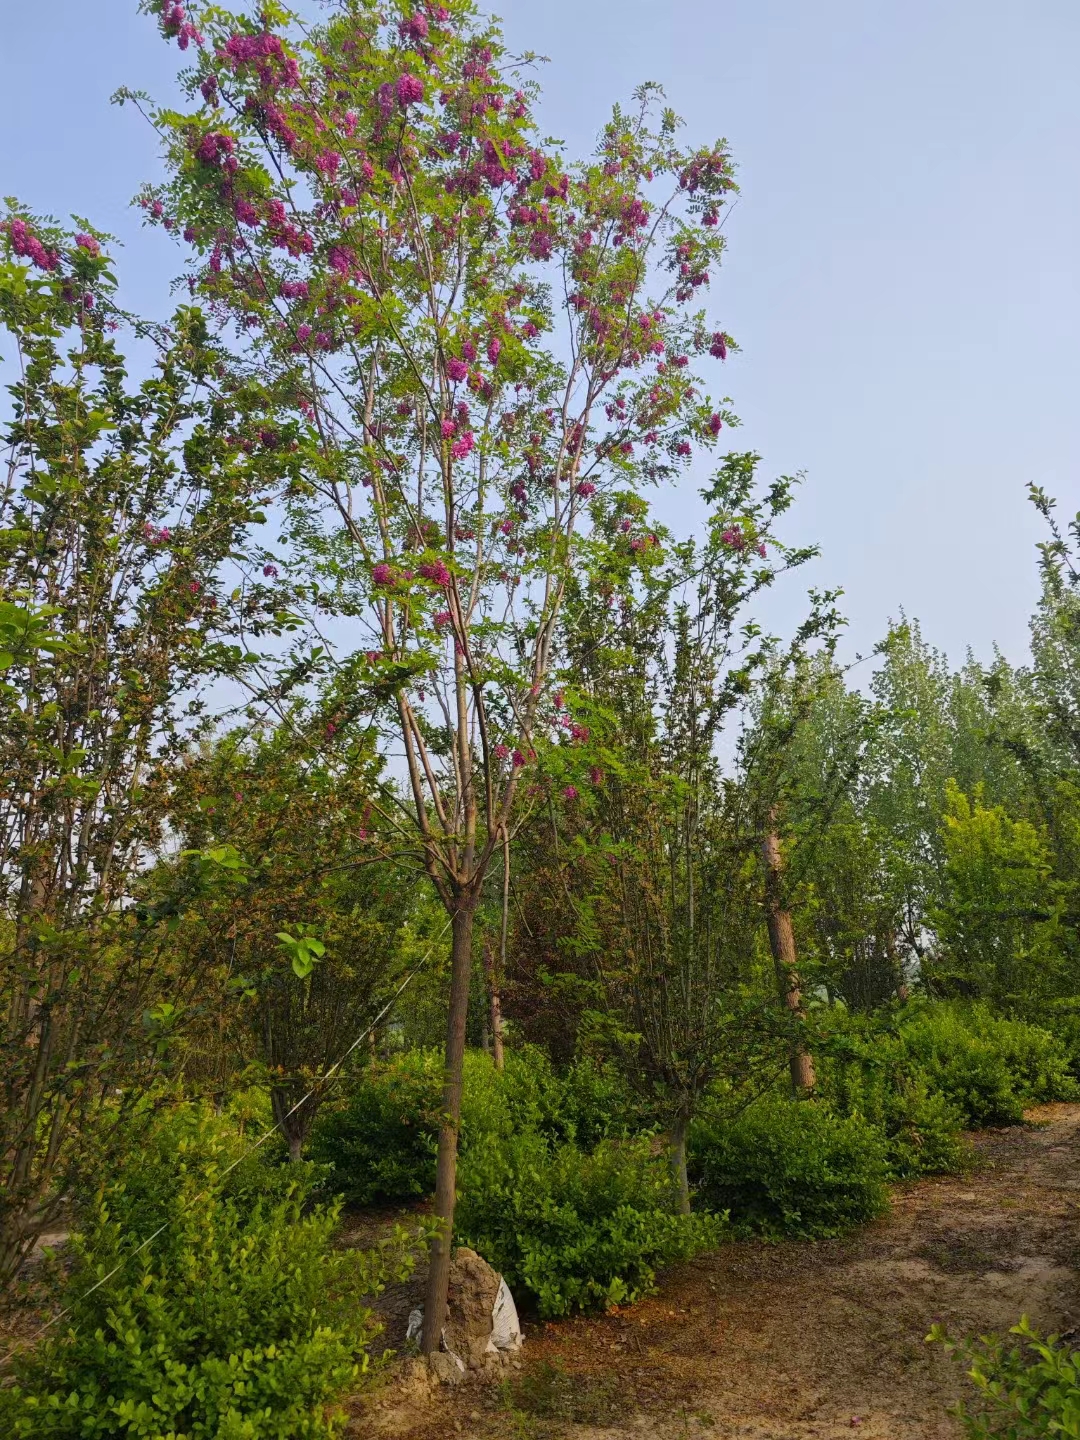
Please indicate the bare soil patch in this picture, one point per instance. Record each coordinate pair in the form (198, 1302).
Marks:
(782, 1342)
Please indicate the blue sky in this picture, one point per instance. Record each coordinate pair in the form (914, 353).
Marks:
(903, 272)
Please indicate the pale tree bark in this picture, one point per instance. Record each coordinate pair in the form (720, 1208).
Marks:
(785, 959)
(495, 1004)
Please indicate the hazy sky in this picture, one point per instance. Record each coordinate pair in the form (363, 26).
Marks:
(903, 272)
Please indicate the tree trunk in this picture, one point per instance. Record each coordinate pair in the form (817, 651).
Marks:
(782, 944)
(294, 1127)
(446, 1165)
(495, 999)
(678, 1161)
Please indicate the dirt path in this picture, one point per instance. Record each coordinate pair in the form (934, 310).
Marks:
(796, 1340)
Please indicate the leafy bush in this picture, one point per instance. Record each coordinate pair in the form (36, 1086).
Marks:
(988, 1067)
(922, 1133)
(1039, 1061)
(1027, 1391)
(595, 1103)
(237, 1322)
(925, 1071)
(863, 1070)
(574, 1230)
(523, 1096)
(381, 1140)
(787, 1167)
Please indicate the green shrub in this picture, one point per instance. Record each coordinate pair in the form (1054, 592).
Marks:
(237, 1322)
(574, 1230)
(1039, 1061)
(787, 1167)
(922, 1133)
(1027, 1391)
(595, 1103)
(970, 1071)
(863, 1070)
(927, 1070)
(525, 1095)
(1063, 1022)
(380, 1140)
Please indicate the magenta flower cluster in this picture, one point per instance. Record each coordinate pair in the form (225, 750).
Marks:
(415, 28)
(241, 49)
(216, 148)
(409, 90)
(25, 242)
(175, 22)
(436, 572)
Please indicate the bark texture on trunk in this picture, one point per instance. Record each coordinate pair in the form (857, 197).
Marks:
(295, 1126)
(782, 944)
(495, 1000)
(678, 1162)
(446, 1164)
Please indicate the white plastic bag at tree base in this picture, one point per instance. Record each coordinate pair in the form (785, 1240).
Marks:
(505, 1326)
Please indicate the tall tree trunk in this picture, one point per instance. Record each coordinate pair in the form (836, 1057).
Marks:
(678, 1161)
(782, 944)
(495, 1000)
(438, 1283)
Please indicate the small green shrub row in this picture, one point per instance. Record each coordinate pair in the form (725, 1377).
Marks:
(927, 1071)
(554, 1189)
(788, 1167)
(988, 1066)
(573, 1229)
(380, 1138)
(239, 1321)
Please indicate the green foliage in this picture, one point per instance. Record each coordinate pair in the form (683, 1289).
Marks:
(922, 1133)
(999, 921)
(924, 1072)
(596, 1103)
(988, 1067)
(381, 1140)
(126, 512)
(1027, 1391)
(787, 1167)
(238, 1321)
(573, 1230)
(382, 1137)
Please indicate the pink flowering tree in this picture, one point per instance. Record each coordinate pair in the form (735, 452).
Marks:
(483, 343)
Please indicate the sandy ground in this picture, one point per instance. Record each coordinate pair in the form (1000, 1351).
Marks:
(782, 1342)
